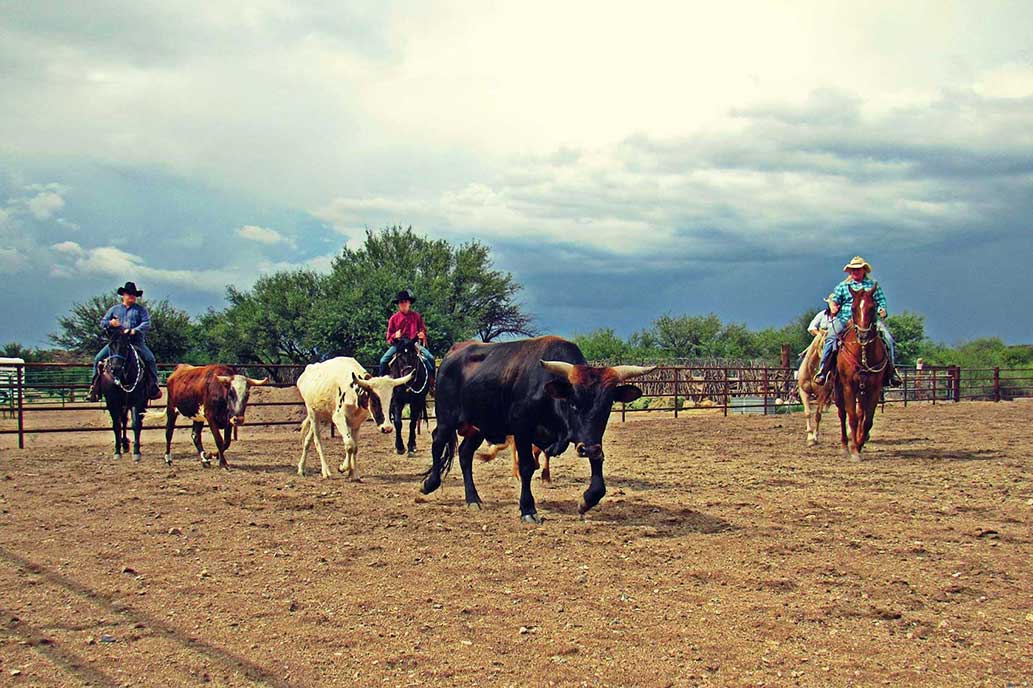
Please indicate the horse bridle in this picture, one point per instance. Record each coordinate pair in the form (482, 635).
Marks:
(864, 338)
(419, 361)
(139, 370)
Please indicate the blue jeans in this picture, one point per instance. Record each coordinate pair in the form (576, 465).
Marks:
(832, 340)
(392, 350)
(145, 354)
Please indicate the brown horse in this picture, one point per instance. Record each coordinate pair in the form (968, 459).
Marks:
(808, 388)
(860, 372)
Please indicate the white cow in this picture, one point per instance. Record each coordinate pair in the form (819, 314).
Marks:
(340, 390)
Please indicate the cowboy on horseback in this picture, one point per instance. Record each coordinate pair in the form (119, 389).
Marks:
(406, 324)
(840, 304)
(134, 320)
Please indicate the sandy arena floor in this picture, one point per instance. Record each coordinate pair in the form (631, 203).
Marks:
(726, 553)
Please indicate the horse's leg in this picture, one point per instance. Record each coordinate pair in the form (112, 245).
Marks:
(854, 418)
(137, 427)
(116, 428)
(125, 426)
(466, 451)
(170, 428)
(805, 400)
(396, 417)
(195, 435)
(415, 414)
(841, 406)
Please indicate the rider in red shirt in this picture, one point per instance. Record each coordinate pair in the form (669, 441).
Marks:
(406, 323)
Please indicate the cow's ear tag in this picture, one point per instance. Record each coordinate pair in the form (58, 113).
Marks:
(559, 389)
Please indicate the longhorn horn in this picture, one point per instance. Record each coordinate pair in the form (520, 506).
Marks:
(623, 372)
(361, 382)
(559, 368)
(398, 382)
(252, 382)
(224, 379)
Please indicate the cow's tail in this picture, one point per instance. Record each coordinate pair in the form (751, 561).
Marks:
(155, 414)
(442, 456)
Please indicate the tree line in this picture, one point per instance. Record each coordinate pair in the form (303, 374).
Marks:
(302, 316)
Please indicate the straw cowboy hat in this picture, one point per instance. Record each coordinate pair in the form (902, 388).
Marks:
(130, 288)
(857, 262)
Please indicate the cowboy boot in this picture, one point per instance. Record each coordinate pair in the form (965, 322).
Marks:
(892, 379)
(94, 394)
(153, 390)
(822, 375)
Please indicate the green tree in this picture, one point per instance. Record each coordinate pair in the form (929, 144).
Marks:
(908, 333)
(27, 354)
(688, 336)
(603, 345)
(80, 333)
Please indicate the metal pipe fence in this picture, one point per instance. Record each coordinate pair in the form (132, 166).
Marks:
(60, 388)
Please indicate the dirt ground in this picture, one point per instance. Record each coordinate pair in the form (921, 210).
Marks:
(725, 554)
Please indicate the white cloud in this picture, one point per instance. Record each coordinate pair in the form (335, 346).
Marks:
(11, 260)
(262, 235)
(69, 247)
(45, 204)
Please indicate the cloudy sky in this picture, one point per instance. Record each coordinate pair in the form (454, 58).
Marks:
(623, 160)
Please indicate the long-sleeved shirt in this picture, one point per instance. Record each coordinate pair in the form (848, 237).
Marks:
(844, 296)
(133, 317)
(409, 323)
(822, 321)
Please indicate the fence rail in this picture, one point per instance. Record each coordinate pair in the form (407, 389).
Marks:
(45, 388)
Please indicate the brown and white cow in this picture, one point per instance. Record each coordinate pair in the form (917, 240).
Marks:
(215, 395)
(491, 452)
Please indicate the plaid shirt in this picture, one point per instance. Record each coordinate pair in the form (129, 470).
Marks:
(844, 296)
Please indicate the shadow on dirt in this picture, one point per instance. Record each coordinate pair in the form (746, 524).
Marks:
(937, 455)
(667, 522)
(75, 665)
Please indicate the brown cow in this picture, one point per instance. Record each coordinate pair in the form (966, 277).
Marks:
(212, 394)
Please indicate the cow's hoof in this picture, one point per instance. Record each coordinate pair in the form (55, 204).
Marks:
(412, 453)
(534, 519)
(136, 458)
(399, 450)
(117, 455)
(582, 507)
(473, 506)
(168, 459)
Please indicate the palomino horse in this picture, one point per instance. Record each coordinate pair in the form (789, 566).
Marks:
(860, 371)
(408, 361)
(808, 387)
(124, 389)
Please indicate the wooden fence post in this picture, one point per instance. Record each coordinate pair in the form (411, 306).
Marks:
(624, 412)
(21, 407)
(955, 372)
(727, 390)
(905, 387)
(765, 390)
(997, 384)
(934, 386)
(675, 392)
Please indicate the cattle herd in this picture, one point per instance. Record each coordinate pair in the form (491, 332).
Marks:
(538, 395)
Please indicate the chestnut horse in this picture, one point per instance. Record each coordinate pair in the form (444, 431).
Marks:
(808, 388)
(860, 371)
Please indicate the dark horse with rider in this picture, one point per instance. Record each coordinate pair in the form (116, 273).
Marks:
(408, 353)
(125, 374)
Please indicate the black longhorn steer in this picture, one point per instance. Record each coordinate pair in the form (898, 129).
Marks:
(541, 391)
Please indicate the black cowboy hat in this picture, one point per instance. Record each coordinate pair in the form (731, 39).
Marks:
(405, 295)
(130, 288)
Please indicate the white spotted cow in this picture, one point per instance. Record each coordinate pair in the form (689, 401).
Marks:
(342, 392)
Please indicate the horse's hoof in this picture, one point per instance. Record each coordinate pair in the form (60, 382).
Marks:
(533, 519)
(116, 455)
(399, 450)
(168, 459)
(473, 506)
(855, 457)
(412, 453)
(812, 442)
(136, 458)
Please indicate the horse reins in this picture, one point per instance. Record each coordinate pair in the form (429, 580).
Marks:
(139, 370)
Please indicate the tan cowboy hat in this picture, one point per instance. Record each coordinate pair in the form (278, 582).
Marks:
(857, 262)
(828, 299)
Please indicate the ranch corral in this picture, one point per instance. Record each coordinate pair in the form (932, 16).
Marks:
(725, 553)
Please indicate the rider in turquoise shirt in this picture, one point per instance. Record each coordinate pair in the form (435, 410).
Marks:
(841, 304)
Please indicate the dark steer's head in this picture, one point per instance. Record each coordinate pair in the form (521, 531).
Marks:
(238, 389)
(590, 391)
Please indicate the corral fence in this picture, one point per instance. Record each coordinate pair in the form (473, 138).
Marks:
(39, 390)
